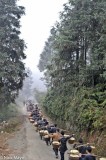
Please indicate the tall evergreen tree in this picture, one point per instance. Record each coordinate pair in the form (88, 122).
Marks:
(12, 70)
(77, 70)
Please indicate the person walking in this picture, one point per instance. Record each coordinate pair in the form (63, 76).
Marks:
(81, 148)
(63, 146)
(55, 137)
(89, 155)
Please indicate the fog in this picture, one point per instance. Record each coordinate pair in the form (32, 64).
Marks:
(39, 17)
(37, 82)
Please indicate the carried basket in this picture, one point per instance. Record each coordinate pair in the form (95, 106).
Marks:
(41, 132)
(102, 158)
(74, 152)
(31, 120)
(73, 157)
(71, 140)
(46, 137)
(36, 124)
(56, 144)
(45, 133)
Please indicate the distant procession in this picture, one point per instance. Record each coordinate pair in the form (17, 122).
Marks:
(57, 138)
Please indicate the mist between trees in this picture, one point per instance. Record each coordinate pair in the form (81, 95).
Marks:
(73, 62)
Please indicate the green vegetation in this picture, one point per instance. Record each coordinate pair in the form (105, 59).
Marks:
(13, 125)
(12, 70)
(74, 66)
(8, 112)
(39, 95)
(26, 92)
(11, 115)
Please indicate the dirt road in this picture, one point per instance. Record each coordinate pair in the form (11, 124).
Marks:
(26, 145)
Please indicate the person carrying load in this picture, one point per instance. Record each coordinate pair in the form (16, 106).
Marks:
(63, 145)
(89, 155)
(55, 141)
(81, 148)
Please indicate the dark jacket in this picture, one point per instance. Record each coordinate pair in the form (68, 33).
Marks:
(63, 146)
(82, 149)
(89, 157)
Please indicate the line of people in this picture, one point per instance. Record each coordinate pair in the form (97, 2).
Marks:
(58, 138)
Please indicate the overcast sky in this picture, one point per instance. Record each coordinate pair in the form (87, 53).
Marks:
(36, 25)
(40, 16)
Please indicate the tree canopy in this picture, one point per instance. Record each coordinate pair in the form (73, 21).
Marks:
(74, 65)
(12, 69)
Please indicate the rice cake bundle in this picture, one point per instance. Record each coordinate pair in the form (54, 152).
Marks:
(36, 124)
(73, 157)
(46, 137)
(46, 132)
(71, 140)
(55, 144)
(74, 152)
(41, 132)
(102, 158)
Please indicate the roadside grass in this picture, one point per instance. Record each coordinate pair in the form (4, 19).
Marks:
(13, 125)
(13, 118)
